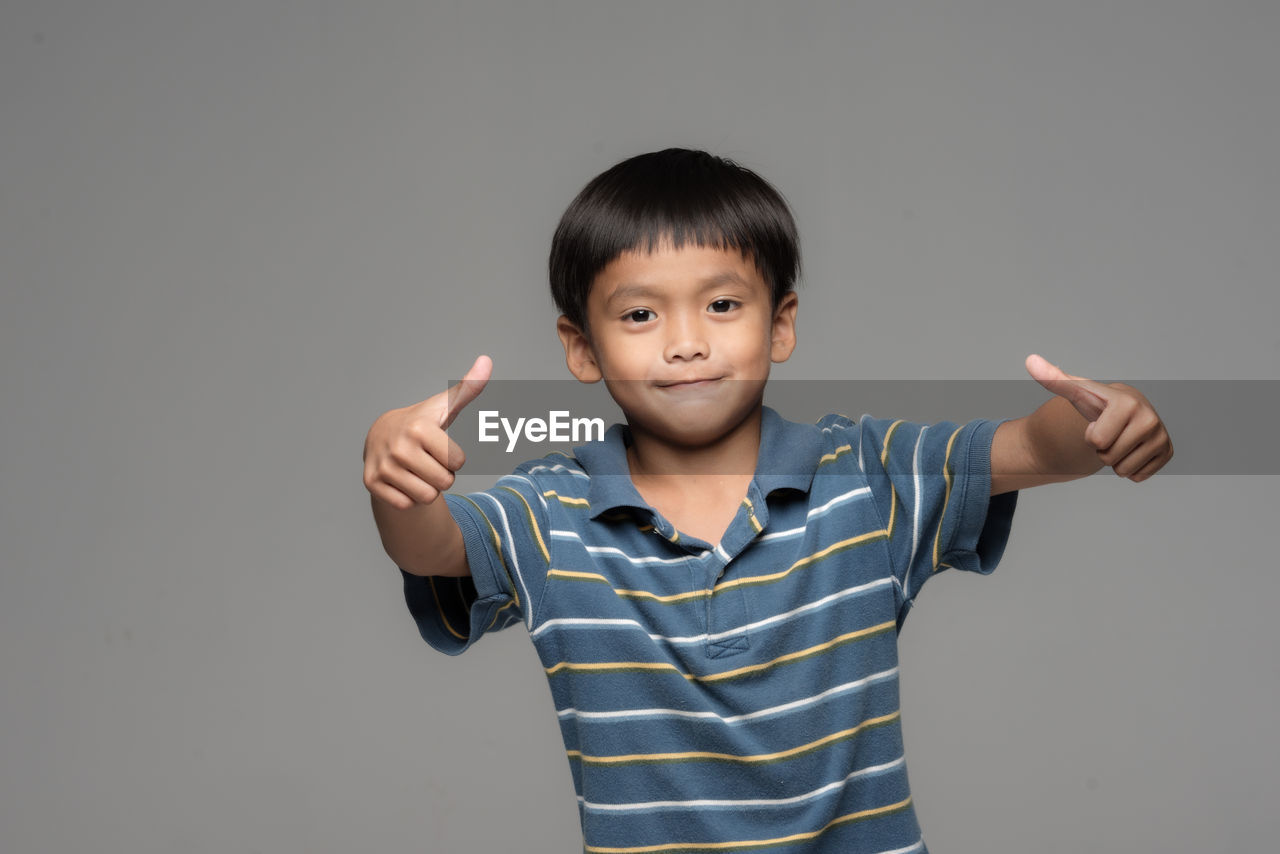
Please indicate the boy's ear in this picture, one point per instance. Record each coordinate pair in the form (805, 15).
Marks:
(578, 354)
(783, 334)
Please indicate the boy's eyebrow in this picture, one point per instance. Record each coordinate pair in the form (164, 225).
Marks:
(634, 290)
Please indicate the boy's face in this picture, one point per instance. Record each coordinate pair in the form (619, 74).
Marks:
(683, 338)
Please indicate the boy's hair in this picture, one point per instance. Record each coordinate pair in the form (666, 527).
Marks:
(687, 197)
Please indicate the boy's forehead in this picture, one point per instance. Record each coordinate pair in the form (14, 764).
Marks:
(639, 271)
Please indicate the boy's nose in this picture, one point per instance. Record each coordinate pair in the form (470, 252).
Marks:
(686, 341)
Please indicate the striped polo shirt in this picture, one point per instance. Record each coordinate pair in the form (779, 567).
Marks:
(741, 697)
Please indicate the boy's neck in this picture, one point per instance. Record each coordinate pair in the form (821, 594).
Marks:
(730, 458)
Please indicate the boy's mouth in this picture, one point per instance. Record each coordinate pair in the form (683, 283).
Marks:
(691, 383)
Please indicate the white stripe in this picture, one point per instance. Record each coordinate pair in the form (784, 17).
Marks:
(861, 432)
(919, 846)
(533, 486)
(611, 551)
(616, 552)
(558, 467)
(585, 622)
(589, 623)
(812, 514)
(515, 563)
(781, 534)
(803, 609)
(817, 511)
(721, 553)
(599, 622)
(731, 720)
(915, 513)
(756, 802)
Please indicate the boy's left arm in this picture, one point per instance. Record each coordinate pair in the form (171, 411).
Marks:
(1085, 426)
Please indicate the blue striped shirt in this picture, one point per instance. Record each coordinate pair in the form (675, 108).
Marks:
(742, 696)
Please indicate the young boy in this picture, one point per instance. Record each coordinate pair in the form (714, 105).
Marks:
(715, 592)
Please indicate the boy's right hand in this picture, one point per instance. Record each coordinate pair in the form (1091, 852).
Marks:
(409, 458)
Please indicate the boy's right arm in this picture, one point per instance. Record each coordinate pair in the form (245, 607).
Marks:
(409, 461)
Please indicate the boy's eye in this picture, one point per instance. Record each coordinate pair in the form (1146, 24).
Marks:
(722, 305)
(640, 315)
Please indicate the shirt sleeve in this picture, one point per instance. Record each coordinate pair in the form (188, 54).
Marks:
(932, 486)
(504, 530)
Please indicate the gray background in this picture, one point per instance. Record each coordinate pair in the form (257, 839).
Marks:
(231, 234)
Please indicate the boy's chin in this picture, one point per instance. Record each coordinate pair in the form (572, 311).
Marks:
(693, 423)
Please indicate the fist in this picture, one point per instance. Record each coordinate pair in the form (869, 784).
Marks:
(409, 458)
(1123, 429)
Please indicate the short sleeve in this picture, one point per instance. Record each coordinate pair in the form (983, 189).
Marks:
(932, 486)
(504, 531)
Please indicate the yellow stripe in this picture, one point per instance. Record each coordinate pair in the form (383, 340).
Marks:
(751, 515)
(493, 532)
(581, 576)
(893, 508)
(440, 610)
(888, 437)
(946, 498)
(498, 612)
(612, 667)
(884, 464)
(831, 457)
(633, 594)
(497, 549)
(755, 759)
(728, 585)
(675, 536)
(533, 524)
(757, 843)
(566, 499)
(623, 666)
(799, 654)
(803, 562)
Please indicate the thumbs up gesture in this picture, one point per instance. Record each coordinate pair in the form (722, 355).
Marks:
(1123, 428)
(409, 458)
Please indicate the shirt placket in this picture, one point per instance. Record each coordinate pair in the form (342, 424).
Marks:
(727, 611)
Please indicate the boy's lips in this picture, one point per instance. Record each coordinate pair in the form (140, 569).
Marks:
(691, 382)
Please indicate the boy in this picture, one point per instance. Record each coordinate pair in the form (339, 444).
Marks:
(715, 592)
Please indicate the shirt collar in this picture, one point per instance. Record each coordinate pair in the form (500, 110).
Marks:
(788, 458)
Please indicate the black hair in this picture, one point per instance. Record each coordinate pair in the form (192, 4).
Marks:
(687, 197)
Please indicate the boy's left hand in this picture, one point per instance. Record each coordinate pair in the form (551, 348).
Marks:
(1123, 428)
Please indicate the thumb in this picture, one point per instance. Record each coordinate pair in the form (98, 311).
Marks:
(1087, 396)
(473, 382)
